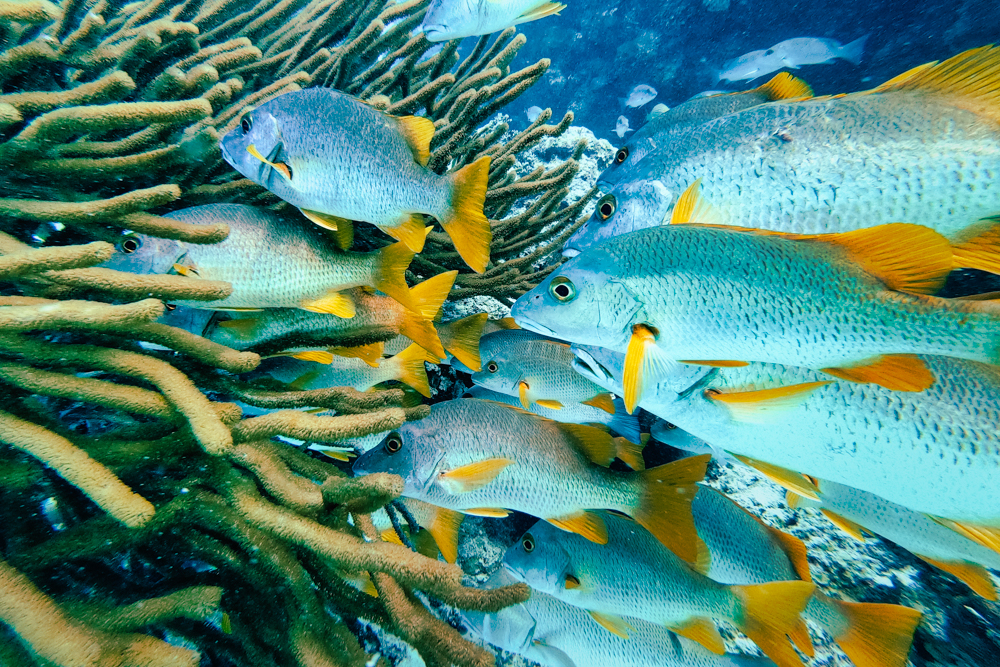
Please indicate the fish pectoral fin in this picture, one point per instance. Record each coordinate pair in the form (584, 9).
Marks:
(186, 271)
(571, 583)
(410, 230)
(418, 132)
(602, 402)
(613, 624)
(972, 575)
(540, 12)
(303, 381)
(319, 356)
(444, 529)
(788, 479)
(280, 167)
(371, 354)
(764, 405)
(594, 443)
(472, 476)
(551, 655)
(644, 362)
(340, 304)
(899, 372)
(523, 389)
(716, 363)
(987, 536)
(549, 403)
(979, 247)
(852, 528)
(586, 524)
(693, 209)
(342, 228)
(703, 631)
(784, 86)
(491, 512)
(461, 339)
(243, 327)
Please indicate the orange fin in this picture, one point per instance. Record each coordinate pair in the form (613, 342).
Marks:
(702, 631)
(664, 507)
(644, 362)
(795, 549)
(629, 453)
(410, 231)
(186, 271)
(784, 86)
(390, 274)
(765, 405)
(342, 228)
(551, 404)
(522, 392)
(850, 527)
(981, 251)
(371, 354)
(461, 338)
(594, 443)
(340, 304)
(717, 363)
(465, 222)
(985, 535)
(411, 370)
(899, 372)
(491, 512)
(472, 476)
(362, 580)
(602, 402)
(771, 611)
(585, 524)
(787, 479)
(318, 356)
(611, 623)
(877, 635)
(971, 574)
(418, 132)
(444, 528)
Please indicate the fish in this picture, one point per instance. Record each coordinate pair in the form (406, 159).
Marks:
(818, 50)
(620, 422)
(533, 113)
(634, 575)
(454, 19)
(667, 433)
(639, 96)
(631, 205)
(271, 262)
(724, 296)
(550, 632)
(459, 339)
(854, 161)
(665, 127)
(858, 512)
(486, 458)
(337, 160)
(934, 452)
(439, 524)
(537, 370)
(750, 66)
(621, 127)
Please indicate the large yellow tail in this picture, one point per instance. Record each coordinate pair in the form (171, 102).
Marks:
(664, 507)
(465, 222)
(461, 338)
(411, 369)
(427, 299)
(390, 273)
(876, 635)
(981, 247)
(769, 613)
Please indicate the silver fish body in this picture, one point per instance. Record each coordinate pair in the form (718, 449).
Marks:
(454, 19)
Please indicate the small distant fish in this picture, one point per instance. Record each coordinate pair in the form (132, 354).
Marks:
(817, 50)
(640, 95)
(751, 65)
(338, 159)
(622, 126)
(533, 113)
(454, 19)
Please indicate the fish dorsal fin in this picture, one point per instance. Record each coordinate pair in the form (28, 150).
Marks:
(784, 86)
(971, 574)
(985, 535)
(540, 12)
(788, 479)
(461, 338)
(341, 228)
(899, 372)
(585, 524)
(900, 78)
(850, 527)
(340, 304)
(703, 631)
(371, 354)
(629, 453)
(418, 132)
(472, 476)
(764, 405)
(594, 443)
(692, 209)
(602, 402)
(444, 528)
(613, 624)
(970, 81)
(491, 512)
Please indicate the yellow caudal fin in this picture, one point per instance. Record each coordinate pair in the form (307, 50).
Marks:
(465, 222)
(765, 405)
(788, 479)
(410, 231)
(418, 132)
(390, 273)
(540, 12)
(644, 363)
(371, 354)
(444, 527)
(703, 631)
(603, 402)
(899, 372)
(970, 81)
(664, 507)
(461, 338)
(971, 574)
(410, 369)
(430, 295)
(784, 86)
(877, 635)
(770, 612)
(341, 228)
(980, 247)
(629, 453)
(340, 304)
(585, 524)
(472, 476)
(852, 528)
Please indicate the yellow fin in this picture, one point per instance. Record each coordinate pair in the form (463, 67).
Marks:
(319, 356)
(389, 535)
(792, 499)
(982, 250)
(491, 512)
(718, 363)
(800, 637)
(900, 78)
(243, 327)
(899, 372)
(418, 132)
(586, 524)
(784, 86)
(571, 582)
(548, 403)
(850, 527)
(340, 304)
(788, 479)
(410, 231)
(643, 340)
(390, 273)
(972, 575)
(186, 271)
(411, 369)
(970, 81)
(280, 167)
(507, 323)
(337, 455)
(987, 536)
(594, 443)
(303, 381)
(430, 295)
(226, 625)
(764, 405)
(361, 581)
(794, 548)
(444, 528)
(611, 623)
(702, 631)
(461, 338)
(877, 635)
(692, 209)
(522, 393)
(771, 611)
(371, 354)
(540, 12)
(472, 476)
(464, 221)
(629, 453)
(664, 507)
(602, 402)
(342, 228)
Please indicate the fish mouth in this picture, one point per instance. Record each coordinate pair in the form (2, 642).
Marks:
(531, 325)
(432, 29)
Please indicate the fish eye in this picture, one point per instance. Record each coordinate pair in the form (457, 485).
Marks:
(246, 123)
(621, 155)
(393, 444)
(528, 543)
(670, 427)
(606, 207)
(169, 307)
(130, 245)
(492, 367)
(562, 289)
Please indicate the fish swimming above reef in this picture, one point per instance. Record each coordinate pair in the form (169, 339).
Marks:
(271, 261)
(486, 458)
(639, 96)
(621, 127)
(750, 66)
(338, 160)
(791, 53)
(533, 113)
(454, 19)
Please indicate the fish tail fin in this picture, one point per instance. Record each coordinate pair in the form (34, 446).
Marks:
(853, 51)
(427, 299)
(624, 424)
(461, 338)
(877, 635)
(769, 612)
(390, 273)
(465, 222)
(664, 507)
(411, 369)
(981, 247)
(629, 453)
(444, 528)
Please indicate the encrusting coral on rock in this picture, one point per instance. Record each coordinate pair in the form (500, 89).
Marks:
(221, 540)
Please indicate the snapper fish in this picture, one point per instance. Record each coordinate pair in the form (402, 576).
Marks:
(621, 127)
(338, 160)
(271, 262)
(454, 19)
(634, 575)
(486, 458)
(724, 296)
(639, 96)
(629, 206)
(818, 50)
(750, 66)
